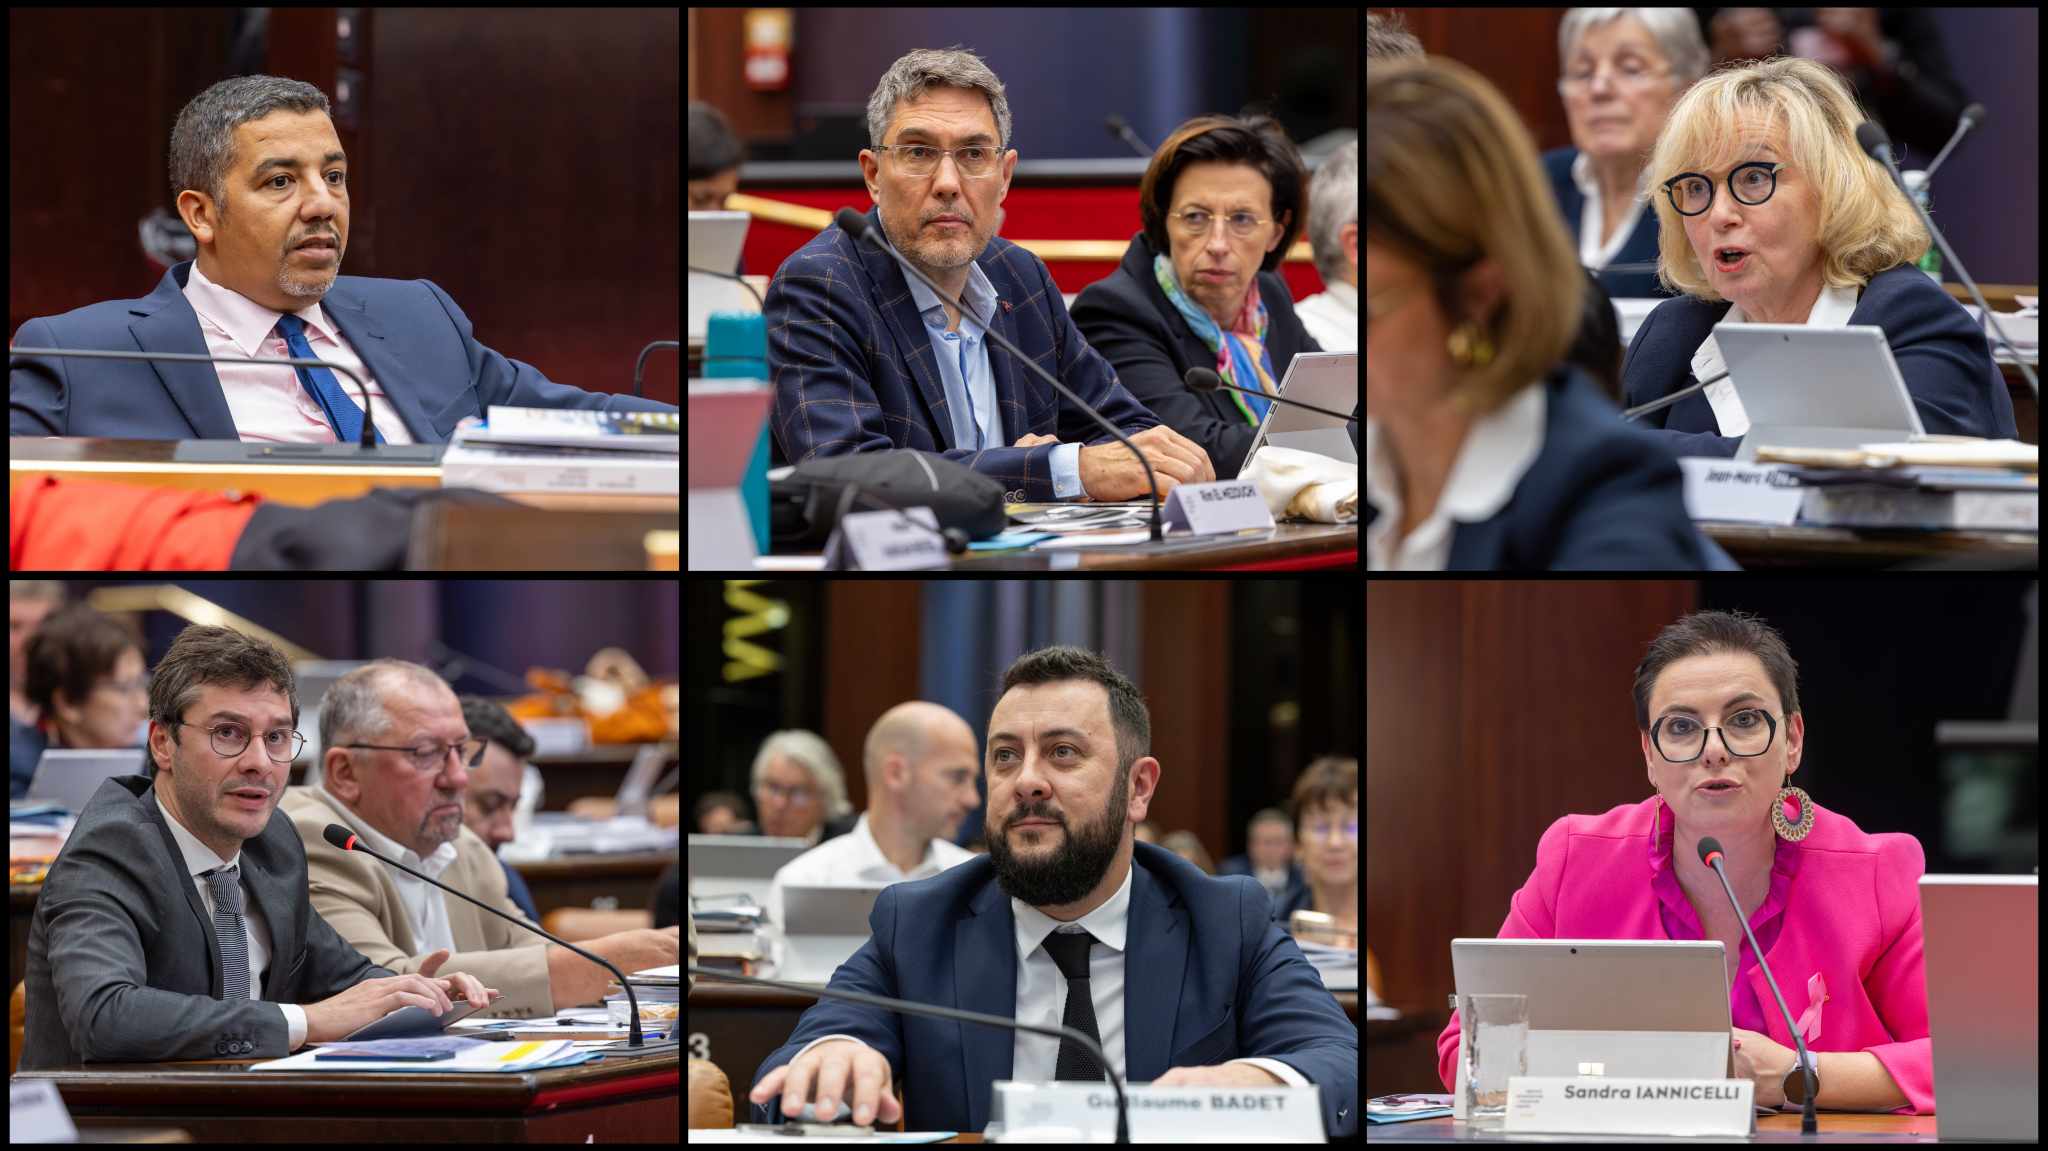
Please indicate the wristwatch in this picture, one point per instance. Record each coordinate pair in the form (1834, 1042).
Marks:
(1795, 1079)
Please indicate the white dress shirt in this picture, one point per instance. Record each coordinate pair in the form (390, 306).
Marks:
(1831, 309)
(268, 403)
(426, 906)
(856, 860)
(1499, 449)
(1592, 216)
(255, 927)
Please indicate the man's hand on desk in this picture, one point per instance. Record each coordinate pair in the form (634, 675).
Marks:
(1221, 1075)
(1110, 472)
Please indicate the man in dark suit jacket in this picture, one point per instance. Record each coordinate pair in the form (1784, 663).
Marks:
(1181, 976)
(1129, 320)
(128, 962)
(854, 369)
(1940, 351)
(261, 182)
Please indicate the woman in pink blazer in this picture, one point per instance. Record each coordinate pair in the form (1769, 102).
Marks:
(1836, 909)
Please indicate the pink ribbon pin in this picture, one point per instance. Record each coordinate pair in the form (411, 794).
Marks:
(1809, 1020)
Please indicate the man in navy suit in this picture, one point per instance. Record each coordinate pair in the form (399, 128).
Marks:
(262, 183)
(864, 358)
(1182, 978)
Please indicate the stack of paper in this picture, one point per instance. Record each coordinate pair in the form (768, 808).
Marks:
(556, 450)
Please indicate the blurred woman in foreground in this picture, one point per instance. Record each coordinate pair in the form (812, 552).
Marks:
(1483, 448)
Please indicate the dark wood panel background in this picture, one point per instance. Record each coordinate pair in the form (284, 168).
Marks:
(1492, 708)
(525, 160)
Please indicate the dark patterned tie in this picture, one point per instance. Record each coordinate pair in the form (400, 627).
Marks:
(227, 927)
(1069, 950)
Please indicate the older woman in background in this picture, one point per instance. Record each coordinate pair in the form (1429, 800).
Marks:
(1770, 212)
(1623, 70)
(85, 676)
(1199, 285)
(1483, 449)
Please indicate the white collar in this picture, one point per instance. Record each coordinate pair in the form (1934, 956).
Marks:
(1498, 451)
(1106, 923)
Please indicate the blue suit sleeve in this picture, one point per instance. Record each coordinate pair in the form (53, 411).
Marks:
(1290, 1016)
(868, 971)
(512, 383)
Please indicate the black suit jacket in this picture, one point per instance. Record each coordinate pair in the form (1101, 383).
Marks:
(140, 979)
(1128, 319)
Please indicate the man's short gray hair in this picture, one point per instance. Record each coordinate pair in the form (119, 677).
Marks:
(1333, 203)
(353, 710)
(203, 140)
(915, 72)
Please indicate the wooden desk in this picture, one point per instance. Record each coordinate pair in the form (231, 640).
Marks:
(152, 463)
(1834, 1127)
(614, 1099)
(1756, 546)
(1284, 547)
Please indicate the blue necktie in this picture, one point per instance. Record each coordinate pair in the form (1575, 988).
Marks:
(342, 413)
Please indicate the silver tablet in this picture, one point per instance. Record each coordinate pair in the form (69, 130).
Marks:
(1327, 380)
(1615, 1007)
(1809, 387)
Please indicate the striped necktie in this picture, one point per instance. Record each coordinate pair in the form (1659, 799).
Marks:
(227, 927)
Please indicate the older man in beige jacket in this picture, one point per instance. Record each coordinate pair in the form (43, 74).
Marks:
(394, 768)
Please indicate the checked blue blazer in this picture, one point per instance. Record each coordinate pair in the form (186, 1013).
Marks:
(853, 370)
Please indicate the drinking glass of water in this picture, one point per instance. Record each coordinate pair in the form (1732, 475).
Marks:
(1496, 1046)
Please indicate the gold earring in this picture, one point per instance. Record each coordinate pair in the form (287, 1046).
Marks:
(1470, 346)
(1787, 830)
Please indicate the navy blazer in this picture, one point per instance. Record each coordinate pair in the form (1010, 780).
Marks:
(1600, 494)
(1944, 358)
(853, 370)
(1128, 319)
(414, 339)
(1639, 248)
(1208, 977)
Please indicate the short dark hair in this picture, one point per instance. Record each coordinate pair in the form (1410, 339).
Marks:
(1330, 779)
(1127, 714)
(714, 146)
(1708, 632)
(203, 654)
(489, 721)
(1257, 142)
(72, 650)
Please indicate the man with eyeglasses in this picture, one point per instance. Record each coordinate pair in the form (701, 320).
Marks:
(175, 923)
(395, 767)
(864, 358)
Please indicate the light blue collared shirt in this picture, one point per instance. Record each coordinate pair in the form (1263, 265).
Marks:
(963, 362)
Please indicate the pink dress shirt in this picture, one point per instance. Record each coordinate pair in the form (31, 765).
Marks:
(268, 403)
(1841, 926)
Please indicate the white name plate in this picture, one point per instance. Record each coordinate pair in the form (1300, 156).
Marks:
(1717, 489)
(883, 541)
(1086, 1113)
(1218, 507)
(1589, 1106)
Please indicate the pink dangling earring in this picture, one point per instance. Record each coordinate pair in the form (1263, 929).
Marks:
(1787, 830)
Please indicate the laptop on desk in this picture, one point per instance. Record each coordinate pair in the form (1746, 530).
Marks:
(1327, 380)
(1807, 387)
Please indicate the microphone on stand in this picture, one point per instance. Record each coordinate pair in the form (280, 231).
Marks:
(1972, 116)
(369, 437)
(1667, 401)
(906, 1007)
(1206, 380)
(642, 361)
(1879, 145)
(1121, 129)
(856, 225)
(346, 840)
(1710, 854)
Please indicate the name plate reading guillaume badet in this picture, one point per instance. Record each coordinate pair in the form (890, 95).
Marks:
(1086, 1113)
(884, 541)
(1217, 507)
(1596, 1106)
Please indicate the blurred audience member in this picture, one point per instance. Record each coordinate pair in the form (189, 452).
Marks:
(85, 677)
(798, 786)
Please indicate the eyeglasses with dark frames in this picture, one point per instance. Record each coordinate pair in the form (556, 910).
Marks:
(1691, 193)
(1688, 735)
